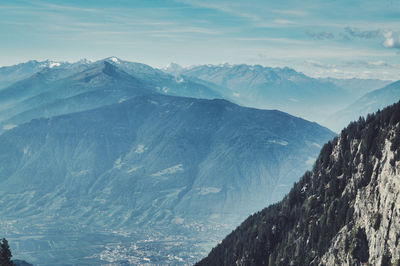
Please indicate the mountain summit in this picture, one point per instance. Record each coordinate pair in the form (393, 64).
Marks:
(344, 212)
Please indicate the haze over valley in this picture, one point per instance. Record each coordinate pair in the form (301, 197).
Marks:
(210, 132)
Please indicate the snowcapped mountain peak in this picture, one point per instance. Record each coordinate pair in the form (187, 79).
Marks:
(54, 64)
(84, 61)
(50, 64)
(115, 59)
(173, 68)
(60, 64)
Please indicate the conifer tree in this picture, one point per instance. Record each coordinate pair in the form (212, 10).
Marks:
(5, 253)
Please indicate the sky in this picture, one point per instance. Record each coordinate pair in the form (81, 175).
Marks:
(338, 38)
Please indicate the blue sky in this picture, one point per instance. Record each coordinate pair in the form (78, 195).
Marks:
(320, 38)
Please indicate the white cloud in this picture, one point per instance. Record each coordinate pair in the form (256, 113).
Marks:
(283, 21)
(298, 13)
(392, 40)
(379, 63)
(66, 7)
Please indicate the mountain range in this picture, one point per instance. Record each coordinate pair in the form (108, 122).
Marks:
(117, 162)
(99, 165)
(279, 88)
(67, 88)
(12, 74)
(328, 101)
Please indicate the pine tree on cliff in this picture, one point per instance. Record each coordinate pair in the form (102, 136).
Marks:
(5, 253)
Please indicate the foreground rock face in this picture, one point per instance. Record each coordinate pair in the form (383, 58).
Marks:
(344, 212)
(376, 209)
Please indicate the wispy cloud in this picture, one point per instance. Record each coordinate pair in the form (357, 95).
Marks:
(355, 64)
(11, 7)
(184, 29)
(369, 64)
(317, 64)
(299, 13)
(51, 6)
(283, 21)
(228, 9)
(322, 35)
(263, 18)
(380, 63)
(368, 34)
(273, 40)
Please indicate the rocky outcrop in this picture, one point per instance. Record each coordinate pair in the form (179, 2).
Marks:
(376, 211)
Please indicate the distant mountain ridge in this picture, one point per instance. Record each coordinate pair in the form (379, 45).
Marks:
(368, 103)
(271, 88)
(358, 87)
(12, 74)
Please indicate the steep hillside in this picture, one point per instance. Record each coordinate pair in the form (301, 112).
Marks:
(170, 166)
(370, 102)
(344, 212)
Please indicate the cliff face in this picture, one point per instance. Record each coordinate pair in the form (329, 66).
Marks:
(344, 212)
(376, 212)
